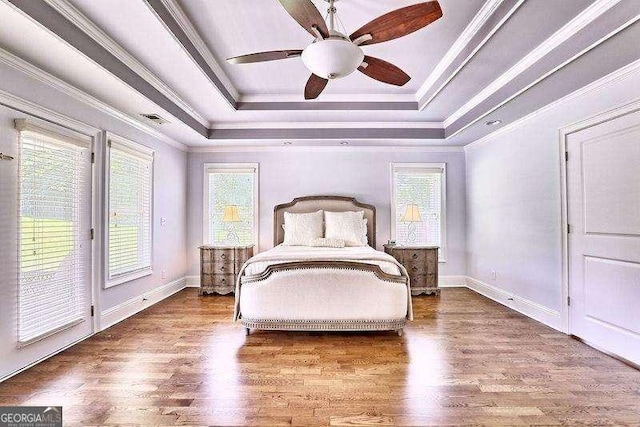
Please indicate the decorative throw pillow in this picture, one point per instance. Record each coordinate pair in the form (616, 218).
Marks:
(348, 226)
(300, 229)
(323, 242)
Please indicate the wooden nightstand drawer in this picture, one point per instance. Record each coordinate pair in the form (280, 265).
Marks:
(414, 256)
(219, 267)
(224, 255)
(415, 268)
(421, 264)
(222, 280)
(424, 281)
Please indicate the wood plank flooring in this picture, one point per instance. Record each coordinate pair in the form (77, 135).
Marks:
(464, 360)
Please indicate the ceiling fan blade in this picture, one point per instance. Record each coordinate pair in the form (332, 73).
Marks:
(384, 72)
(314, 87)
(265, 56)
(307, 15)
(400, 22)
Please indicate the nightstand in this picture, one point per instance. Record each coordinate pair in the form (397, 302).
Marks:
(220, 266)
(421, 263)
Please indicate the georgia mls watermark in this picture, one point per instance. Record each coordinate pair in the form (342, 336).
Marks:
(30, 416)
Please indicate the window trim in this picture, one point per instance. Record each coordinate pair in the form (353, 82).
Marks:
(442, 258)
(214, 167)
(82, 139)
(140, 150)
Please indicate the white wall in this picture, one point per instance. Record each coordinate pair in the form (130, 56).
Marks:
(513, 196)
(170, 165)
(360, 173)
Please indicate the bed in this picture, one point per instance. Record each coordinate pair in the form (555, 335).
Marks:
(303, 288)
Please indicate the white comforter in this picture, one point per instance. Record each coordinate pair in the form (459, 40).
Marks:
(281, 254)
(284, 254)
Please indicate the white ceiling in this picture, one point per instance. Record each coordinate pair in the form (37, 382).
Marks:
(241, 27)
(231, 28)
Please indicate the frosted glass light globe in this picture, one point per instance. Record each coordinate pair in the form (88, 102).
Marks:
(332, 58)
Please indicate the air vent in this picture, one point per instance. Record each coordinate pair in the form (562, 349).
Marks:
(156, 118)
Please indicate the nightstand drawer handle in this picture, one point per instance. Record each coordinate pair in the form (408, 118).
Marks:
(415, 256)
(223, 256)
(222, 267)
(223, 280)
(414, 268)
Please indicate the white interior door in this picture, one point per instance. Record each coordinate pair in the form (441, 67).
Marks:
(603, 197)
(45, 244)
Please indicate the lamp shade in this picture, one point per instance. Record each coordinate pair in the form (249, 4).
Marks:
(230, 214)
(332, 58)
(412, 214)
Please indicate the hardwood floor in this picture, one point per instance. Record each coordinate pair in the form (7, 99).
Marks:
(464, 360)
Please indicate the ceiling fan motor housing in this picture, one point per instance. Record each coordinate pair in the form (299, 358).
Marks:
(332, 58)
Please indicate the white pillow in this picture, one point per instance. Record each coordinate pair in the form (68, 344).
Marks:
(300, 229)
(347, 226)
(322, 242)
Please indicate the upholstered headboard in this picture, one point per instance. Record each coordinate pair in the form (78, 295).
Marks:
(327, 203)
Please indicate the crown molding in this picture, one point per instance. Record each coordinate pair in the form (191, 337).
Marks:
(180, 28)
(467, 35)
(329, 97)
(14, 102)
(64, 87)
(71, 13)
(252, 148)
(583, 19)
(599, 84)
(185, 23)
(327, 125)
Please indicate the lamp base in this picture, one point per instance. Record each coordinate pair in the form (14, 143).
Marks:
(412, 234)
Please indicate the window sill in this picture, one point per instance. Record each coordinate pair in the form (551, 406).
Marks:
(119, 280)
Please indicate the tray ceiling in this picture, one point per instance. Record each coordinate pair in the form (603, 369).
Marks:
(482, 60)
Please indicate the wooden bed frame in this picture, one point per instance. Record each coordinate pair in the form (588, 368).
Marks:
(333, 204)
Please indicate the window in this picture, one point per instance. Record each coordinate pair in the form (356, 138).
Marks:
(54, 233)
(230, 204)
(129, 210)
(418, 205)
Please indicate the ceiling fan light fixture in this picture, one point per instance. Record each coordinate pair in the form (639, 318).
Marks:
(332, 58)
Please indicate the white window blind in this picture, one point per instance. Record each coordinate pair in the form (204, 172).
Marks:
(54, 232)
(230, 204)
(418, 205)
(130, 198)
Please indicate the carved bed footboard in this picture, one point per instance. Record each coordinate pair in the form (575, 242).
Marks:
(324, 296)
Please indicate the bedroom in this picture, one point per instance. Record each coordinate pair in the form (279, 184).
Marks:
(504, 169)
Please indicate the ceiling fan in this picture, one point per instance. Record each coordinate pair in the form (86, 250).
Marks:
(333, 55)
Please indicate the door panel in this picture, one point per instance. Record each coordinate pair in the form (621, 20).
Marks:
(609, 163)
(616, 306)
(13, 356)
(603, 199)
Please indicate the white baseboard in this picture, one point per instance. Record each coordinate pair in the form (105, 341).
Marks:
(130, 307)
(529, 308)
(452, 281)
(193, 281)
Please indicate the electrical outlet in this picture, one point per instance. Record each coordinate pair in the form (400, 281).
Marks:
(164, 274)
(163, 221)
(494, 275)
